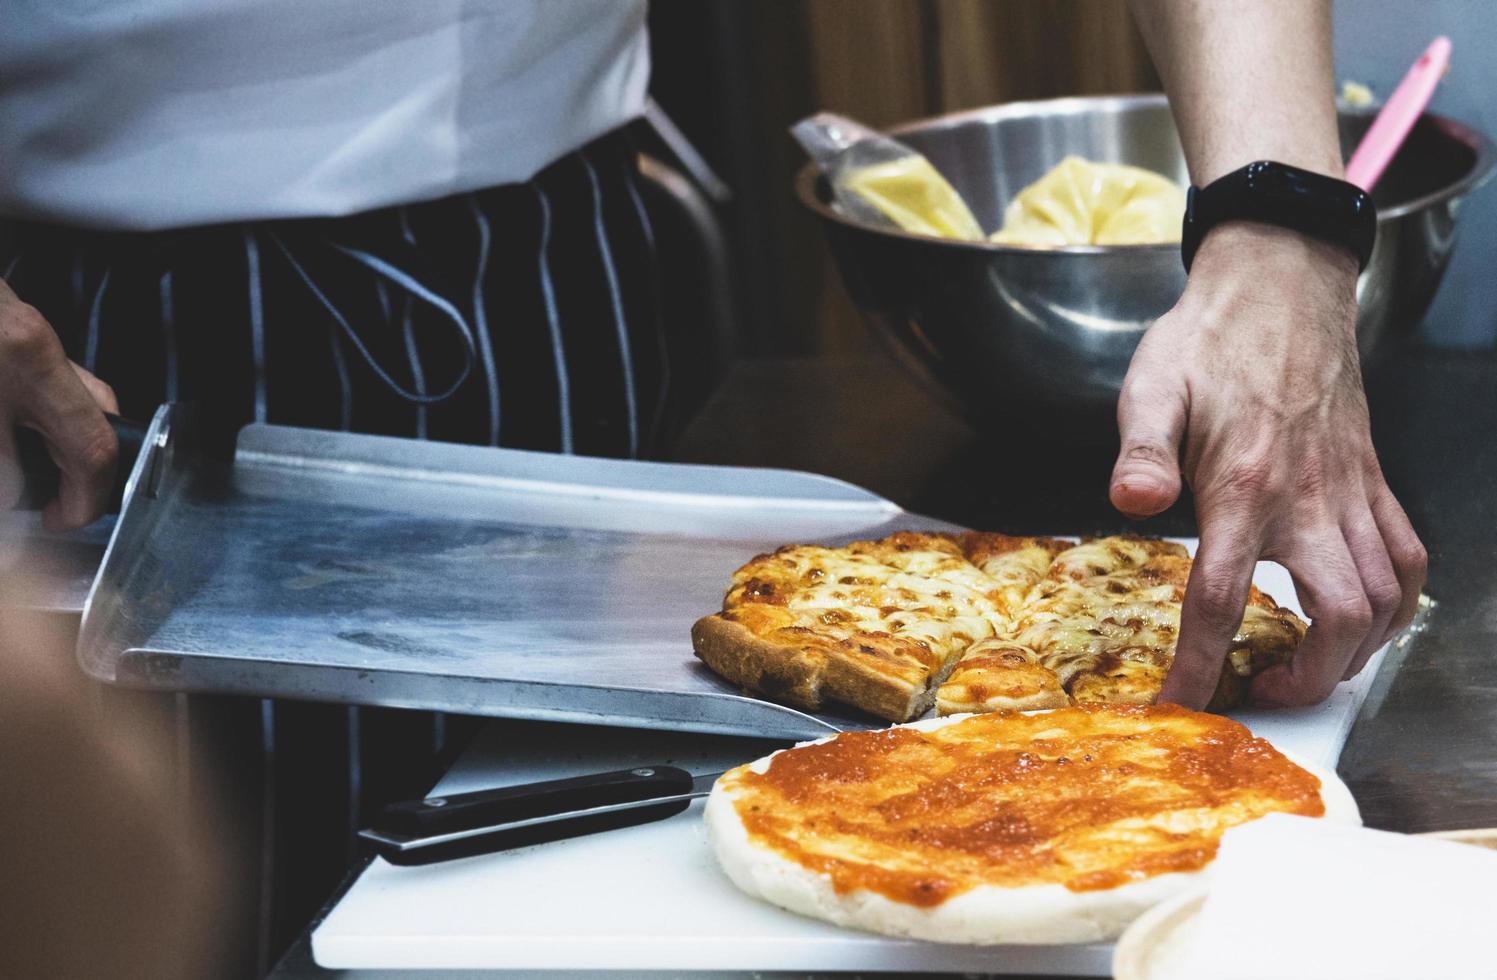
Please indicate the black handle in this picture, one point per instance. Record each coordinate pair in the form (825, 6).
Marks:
(39, 473)
(435, 816)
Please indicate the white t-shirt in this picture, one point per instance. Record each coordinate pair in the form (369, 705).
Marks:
(141, 114)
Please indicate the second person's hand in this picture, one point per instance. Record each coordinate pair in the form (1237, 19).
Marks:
(41, 389)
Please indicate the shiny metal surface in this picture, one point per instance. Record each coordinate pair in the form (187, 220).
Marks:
(990, 325)
(1421, 756)
(372, 570)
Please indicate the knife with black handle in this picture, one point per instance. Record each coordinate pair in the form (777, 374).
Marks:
(441, 828)
(39, 474)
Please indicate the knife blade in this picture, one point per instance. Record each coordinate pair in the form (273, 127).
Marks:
(443, 828)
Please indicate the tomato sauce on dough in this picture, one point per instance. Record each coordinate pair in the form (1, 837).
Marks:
(1089, 797)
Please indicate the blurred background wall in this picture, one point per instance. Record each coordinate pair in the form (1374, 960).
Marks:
(734, 74)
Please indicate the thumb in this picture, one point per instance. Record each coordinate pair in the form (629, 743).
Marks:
(1151, 422)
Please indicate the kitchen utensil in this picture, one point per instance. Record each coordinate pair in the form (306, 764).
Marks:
(372, 570)
(1386, 134)
(1004, 332)
(445, 827)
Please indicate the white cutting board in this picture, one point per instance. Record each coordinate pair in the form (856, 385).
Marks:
(651, 897)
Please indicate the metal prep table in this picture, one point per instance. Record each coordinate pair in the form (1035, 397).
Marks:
(1417, 759)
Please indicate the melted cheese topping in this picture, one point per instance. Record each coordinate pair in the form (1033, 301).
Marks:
(1026, 622)
(1103, 556)
(1015, 564)
(1089, 797)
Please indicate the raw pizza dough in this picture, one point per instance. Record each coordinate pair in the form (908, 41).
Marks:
(1040, 911)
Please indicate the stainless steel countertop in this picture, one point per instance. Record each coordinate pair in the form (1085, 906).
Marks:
(1421, 756)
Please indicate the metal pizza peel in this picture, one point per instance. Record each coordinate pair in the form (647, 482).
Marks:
(299, 563)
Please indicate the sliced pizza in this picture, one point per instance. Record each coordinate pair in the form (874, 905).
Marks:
(1104, 623)
(971, 622)
(807, 624)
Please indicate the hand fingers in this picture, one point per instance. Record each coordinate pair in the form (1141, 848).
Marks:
(1212, 610)
(82, 444)
(1379, 583)
(102, 394)
(1151, 422)
(1410, 561)
(1331, 592)
(44, 391)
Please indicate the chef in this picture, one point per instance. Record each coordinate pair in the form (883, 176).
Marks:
(424, 220)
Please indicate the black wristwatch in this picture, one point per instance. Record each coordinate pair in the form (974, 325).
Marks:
(1278, 194)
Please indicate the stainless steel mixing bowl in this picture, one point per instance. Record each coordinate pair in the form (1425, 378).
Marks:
(997, 325)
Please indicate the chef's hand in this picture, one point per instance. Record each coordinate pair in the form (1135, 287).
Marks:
(43, 390)
(1256, 370)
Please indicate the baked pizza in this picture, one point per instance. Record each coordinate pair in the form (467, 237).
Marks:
(1008, 827)
(971, 622)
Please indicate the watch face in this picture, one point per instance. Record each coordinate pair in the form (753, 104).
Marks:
(1302, 189)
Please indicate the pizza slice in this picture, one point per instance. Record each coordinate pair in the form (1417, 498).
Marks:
(1103, 623)
(1103, 556)
(808, 624)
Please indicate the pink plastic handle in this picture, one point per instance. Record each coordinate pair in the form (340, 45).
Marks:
(1397, 117)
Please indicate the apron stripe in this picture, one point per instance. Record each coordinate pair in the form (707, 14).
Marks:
(480, 318)
(11, 267)
(353, 720)
(268, 863)
(553, 323)
(77, 280)
(91, 351)
(418, 377)
(256, 318)
(406, 327)
(169, 335)
(626, 359)
(646, 229)
(345, 383)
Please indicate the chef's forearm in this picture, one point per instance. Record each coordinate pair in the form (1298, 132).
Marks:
(1247, 80)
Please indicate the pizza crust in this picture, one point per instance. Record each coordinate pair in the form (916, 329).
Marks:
(805, 677)
(782, 672)
(985, 915)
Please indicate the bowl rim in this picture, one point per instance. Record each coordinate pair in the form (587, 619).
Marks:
(808, 176)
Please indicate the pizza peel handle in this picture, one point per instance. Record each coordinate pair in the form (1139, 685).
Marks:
(446, 827)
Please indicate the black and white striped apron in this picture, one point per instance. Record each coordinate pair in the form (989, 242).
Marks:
(525, 315)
